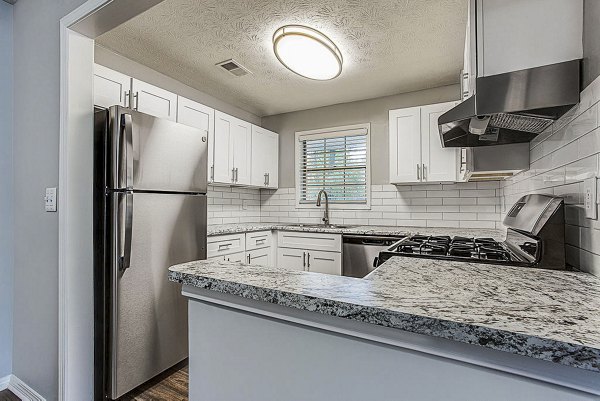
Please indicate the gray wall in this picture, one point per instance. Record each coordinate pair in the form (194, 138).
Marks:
(374, 111)
(6, 194)
(591, 41)
(36, 144)
(129, 67)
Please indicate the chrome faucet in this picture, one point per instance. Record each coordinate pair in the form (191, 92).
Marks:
(326, 215)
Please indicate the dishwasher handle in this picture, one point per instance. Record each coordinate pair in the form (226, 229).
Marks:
(371, 240)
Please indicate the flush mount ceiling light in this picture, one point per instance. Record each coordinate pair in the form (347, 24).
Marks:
(307, 52)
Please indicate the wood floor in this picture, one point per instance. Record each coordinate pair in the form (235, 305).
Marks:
(172, 385)
(7, 395)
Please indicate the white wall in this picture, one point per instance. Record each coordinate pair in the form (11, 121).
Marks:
(561, 158)
(6, 183)
(36, 143)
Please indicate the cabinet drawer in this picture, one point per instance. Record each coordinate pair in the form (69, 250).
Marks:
(315, 241)
(239, 257)
(257, 240)
(225, 244)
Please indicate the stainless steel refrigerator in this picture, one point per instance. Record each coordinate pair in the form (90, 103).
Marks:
(149, 213)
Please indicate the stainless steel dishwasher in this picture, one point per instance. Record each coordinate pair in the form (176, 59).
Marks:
(360, 251)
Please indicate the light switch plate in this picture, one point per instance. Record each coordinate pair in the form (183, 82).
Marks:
(50, 200)
(589, 198)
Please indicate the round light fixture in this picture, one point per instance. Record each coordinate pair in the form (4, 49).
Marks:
(307, 52)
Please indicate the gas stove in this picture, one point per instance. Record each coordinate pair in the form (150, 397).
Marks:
(535, 238)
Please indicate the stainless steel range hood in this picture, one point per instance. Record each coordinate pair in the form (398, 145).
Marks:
(513, 107)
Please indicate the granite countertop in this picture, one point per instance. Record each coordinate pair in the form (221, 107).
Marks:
(543, 314)
(223, 229)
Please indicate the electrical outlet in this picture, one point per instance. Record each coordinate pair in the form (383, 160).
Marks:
(50, 200)
(589, 198)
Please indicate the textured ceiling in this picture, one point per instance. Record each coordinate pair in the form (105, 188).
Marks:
(388, 46)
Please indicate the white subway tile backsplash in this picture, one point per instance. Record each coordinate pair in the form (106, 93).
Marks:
(571, 154)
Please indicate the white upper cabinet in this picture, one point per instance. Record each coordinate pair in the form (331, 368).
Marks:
(222, 157)
(242, 150)
(416, 152)
(200, 116)
(405, 145)
(239, 153)
(153, 100)
(439, 164)
(511, 35)
(265, 158)
(110, 87)
(232, 150)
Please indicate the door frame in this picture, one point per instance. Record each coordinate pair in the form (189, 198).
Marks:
(75, 197)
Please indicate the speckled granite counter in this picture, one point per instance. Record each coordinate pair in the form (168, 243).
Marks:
(357, 230)
(548, 315)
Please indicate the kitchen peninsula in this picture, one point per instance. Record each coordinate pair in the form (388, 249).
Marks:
(414, 329)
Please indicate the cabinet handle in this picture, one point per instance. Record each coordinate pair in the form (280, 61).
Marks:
(137, 101)
(127, 99)
(308, 262)
(233, 174)
(249, 259)
(236, 174)
(304, 259)
(221, 246)
(268, 178)
(418, 172)
(260, 241)
(212, 173)
(265, 182)
(424, 172)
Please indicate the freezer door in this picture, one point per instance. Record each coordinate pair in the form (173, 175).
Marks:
(148, 315)
(153, 154)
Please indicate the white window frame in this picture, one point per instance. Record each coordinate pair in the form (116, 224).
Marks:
(333, 131)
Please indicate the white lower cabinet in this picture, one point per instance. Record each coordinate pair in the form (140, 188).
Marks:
(251, 248)
(291, 259)
(324, 262)
(259, 257)
(312, 252)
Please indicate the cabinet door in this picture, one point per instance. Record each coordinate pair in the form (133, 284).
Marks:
(110, 87)
(153, 100)
(222, 155)
(241, 134)
(324, 262)
(439, 164)
(239, 257)
(265, 158)
(405, 145)
(291, 259)
(200, 116)
(260, 257)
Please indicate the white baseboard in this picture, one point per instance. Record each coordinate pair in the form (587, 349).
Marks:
(22, 390)
(4, 382)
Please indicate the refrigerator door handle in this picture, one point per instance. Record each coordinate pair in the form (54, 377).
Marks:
(127, 149)
(126, 227)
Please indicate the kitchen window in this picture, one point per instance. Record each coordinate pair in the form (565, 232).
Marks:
(336, 160)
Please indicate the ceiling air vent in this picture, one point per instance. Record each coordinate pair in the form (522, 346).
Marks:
(233, 67)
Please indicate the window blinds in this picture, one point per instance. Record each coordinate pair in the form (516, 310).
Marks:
(335, 162)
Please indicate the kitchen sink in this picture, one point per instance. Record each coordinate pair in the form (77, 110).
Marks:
(321, 225)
